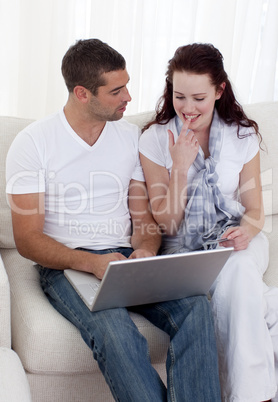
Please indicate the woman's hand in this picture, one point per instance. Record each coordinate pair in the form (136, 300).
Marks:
(186, 148)
(238, 238)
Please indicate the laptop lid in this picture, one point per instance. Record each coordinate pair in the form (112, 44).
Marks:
(133, 282)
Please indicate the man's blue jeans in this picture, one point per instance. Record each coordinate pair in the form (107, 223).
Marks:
(122, 352)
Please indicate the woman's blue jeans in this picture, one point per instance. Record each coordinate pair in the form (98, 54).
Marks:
(122, 351)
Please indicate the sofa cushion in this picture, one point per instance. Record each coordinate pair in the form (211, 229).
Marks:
(140, 119)
(9, 127)
(39, 331)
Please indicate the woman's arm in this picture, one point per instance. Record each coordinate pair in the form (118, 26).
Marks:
(146, 237)
(168, 195)
(251, 198)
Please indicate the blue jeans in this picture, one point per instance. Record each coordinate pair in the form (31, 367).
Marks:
(122, 351)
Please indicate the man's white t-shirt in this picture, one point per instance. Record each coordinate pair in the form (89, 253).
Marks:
(86, 187)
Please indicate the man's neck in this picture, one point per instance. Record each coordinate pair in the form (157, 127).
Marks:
(86, 128)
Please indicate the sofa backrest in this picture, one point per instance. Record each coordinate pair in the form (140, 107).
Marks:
(266, 115)
(9, 127)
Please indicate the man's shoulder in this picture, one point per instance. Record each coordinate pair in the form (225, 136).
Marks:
(35, 133)
(51, 119)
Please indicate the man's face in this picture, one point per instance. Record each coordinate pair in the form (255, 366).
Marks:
(111, 100)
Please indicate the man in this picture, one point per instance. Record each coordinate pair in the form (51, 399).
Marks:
(78, 201)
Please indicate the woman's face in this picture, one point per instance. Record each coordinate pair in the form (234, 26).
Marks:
(194, 98)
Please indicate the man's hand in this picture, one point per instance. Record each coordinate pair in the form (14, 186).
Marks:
(100, 262)
(141, 253)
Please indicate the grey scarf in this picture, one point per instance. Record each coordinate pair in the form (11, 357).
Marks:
(208, 212)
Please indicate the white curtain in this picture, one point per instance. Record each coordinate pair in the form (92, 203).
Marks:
(35, 34)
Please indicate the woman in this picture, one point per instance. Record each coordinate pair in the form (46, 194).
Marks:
(201, 161)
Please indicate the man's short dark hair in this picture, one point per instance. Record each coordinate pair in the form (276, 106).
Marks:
(86, 61)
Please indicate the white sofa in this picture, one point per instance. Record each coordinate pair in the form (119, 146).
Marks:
(59, 366)
(14, 386)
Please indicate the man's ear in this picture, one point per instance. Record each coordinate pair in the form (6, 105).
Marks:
(81, 93)
(220, 90)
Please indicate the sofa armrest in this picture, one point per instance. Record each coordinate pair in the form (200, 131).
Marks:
(14, 385)
(5, 308)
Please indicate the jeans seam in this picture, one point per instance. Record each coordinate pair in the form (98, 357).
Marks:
(72, 313)
(171, 353)
(95, 348)
(107, 375)
(170, 374)
(170, 320)
(68, 308)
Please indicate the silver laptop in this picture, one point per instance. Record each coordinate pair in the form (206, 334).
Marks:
(138, 281)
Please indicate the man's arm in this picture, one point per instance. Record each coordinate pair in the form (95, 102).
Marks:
(28, 222)
(146, 237)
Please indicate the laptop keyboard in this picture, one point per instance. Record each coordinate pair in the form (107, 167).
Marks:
(89, 290)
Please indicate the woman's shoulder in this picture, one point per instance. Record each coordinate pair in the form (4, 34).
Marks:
(158, 131)
(241, 140)
(154, 143)
(160, 126)
(238, 133)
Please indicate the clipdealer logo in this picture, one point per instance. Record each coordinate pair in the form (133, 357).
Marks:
(109, 227)
(71, 198)
(85, 197)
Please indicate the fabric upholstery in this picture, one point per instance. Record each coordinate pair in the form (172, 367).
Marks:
(9, 127)
(59, 366)
(266, 115)
(14, 386)
(5, 307)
